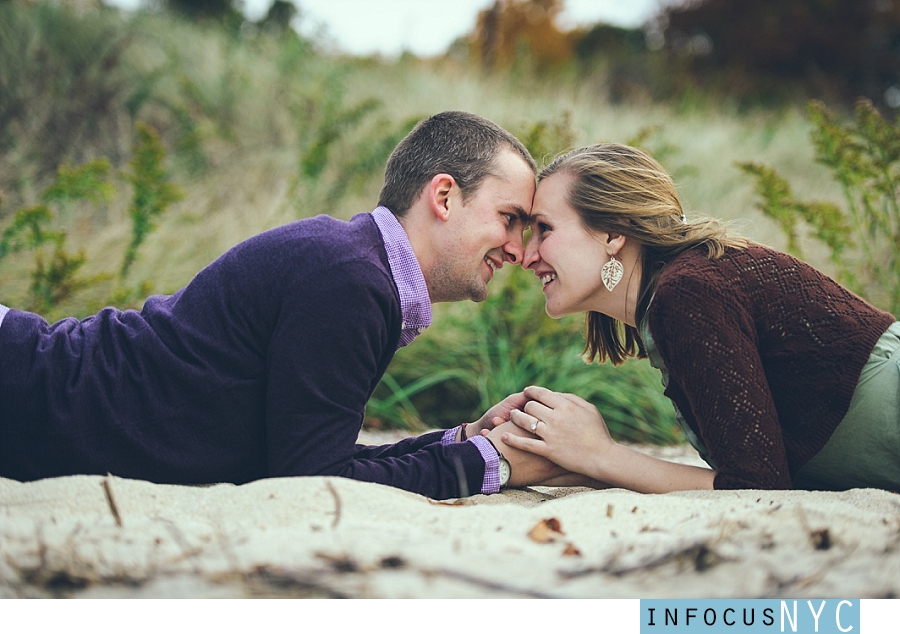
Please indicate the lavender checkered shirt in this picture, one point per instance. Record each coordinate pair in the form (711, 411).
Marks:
(491, 482)
(415, 308)
(415, 304)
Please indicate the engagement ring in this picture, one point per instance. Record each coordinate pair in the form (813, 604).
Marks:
(534, 425)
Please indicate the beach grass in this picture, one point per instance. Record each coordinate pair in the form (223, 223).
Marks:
(261, 130)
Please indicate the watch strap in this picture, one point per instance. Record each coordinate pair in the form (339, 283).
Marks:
(502, 459)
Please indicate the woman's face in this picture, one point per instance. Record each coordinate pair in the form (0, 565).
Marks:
(563, 253)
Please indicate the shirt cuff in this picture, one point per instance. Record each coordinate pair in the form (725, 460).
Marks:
(491, 482)
(450, 435)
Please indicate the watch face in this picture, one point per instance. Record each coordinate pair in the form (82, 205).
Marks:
(504, 471)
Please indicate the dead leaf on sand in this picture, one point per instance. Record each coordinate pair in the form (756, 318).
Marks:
(571, 551)
(458, 502)
(821, 539)
(547, 530)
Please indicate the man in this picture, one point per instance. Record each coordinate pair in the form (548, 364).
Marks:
(262, 365)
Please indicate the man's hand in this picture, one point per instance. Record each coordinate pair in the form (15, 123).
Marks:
(498, 414)
(527, 468)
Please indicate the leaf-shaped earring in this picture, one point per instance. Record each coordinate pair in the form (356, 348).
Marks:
(611, 273)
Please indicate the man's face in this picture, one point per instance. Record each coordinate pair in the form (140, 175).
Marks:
(485, 231)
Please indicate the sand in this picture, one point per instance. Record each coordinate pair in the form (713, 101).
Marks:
(92, 536)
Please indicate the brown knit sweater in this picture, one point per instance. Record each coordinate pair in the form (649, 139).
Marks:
(763, 354)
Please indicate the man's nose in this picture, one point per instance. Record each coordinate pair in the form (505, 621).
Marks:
(514, 250)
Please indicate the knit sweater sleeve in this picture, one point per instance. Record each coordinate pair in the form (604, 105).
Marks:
(707, 338)
(332, 341)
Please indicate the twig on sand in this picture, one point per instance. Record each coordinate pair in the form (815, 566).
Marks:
(485, 583)
(337, 504)
(111, 500)
(698, 555)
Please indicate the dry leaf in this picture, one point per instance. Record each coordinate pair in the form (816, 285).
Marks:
(821, 539)
(339, 562)
(458, 502)
(546, 530)
(392, 561)
(571, 551)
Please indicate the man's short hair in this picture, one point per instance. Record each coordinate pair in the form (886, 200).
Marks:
(461, 144)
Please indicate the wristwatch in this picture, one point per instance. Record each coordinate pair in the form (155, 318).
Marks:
(504, 470)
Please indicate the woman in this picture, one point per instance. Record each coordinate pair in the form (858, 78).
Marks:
(780, 377)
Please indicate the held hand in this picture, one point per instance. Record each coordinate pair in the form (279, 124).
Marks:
(527, 468)
(563, 428)
(569, 479)
(498, 414)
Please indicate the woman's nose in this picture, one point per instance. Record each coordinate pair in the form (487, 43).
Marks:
(531, 256)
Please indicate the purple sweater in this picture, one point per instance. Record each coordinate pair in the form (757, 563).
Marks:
(260, 367)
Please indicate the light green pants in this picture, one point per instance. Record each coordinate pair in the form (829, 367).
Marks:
(864, 450)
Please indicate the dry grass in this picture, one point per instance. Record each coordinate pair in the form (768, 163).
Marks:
(254, 101)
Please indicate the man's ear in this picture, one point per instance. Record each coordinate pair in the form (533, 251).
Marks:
(438, 193)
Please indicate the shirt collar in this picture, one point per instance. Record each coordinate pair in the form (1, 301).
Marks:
(415, 304)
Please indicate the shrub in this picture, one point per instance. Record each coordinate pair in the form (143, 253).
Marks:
(546, 138)
(472, 357)
(153, 193)
(56, 278)
(341, 147)
(63, 85)
(863, 239)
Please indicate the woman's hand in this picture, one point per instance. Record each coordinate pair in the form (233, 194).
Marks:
(569, 431)
(497, 415)
(527, 468)
(570, 479)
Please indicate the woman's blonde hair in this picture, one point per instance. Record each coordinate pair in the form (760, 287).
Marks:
(623, 190)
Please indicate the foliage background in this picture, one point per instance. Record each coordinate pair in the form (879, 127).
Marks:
(257, 126)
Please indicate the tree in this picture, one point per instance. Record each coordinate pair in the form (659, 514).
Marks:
(203, 9)
(510, 27)
(829, 48)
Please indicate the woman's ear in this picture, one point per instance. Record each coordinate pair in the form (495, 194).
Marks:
(438, 191)
(615, 242)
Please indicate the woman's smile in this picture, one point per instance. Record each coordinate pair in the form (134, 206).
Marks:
(561, 250)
